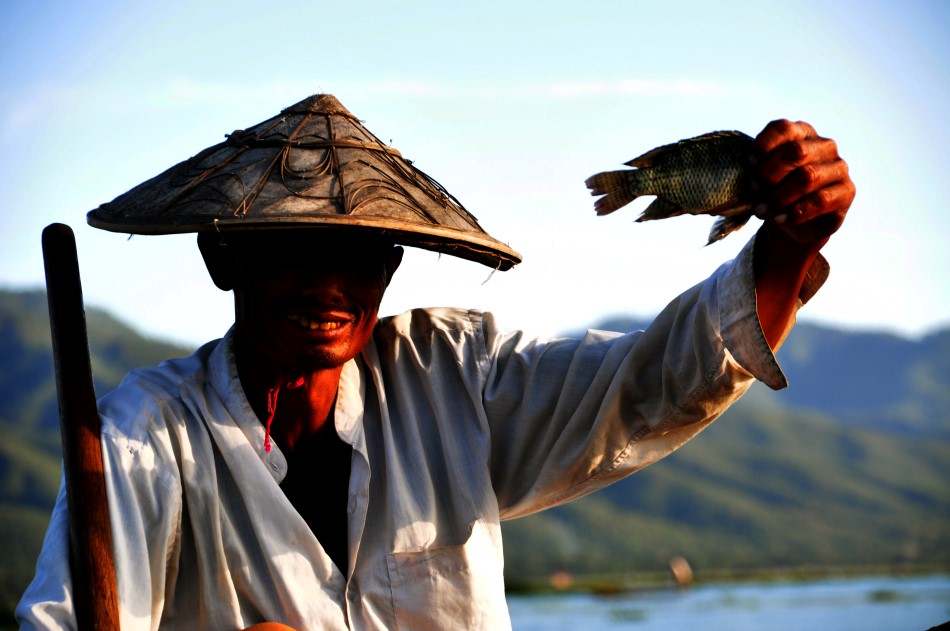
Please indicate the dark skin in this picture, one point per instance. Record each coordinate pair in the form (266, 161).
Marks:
(807, 194)
(306, 304)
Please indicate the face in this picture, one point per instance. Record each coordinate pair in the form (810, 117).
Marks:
(307, 301)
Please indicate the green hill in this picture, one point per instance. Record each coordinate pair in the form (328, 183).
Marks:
(760, 488)
(864, 379)
(30, 453)
(847, 467)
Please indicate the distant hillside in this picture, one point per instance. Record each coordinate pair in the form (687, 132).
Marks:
(27, 382)
(29, 420)
(846, 467)
(870, 380)
(763, 487)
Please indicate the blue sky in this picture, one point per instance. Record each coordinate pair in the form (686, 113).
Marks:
(510, 106)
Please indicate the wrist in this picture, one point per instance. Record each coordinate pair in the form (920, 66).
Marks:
(781, 265)
(783, 258)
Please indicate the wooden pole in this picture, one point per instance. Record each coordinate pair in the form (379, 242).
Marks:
(90, 532)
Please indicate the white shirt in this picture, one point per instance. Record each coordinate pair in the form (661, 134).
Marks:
(454, 426)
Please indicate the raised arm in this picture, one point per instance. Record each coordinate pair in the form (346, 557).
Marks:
(807, 193)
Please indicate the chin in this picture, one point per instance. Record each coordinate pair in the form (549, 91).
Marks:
(320, 359)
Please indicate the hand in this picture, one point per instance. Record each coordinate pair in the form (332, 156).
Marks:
(808, 190)
(806, 195)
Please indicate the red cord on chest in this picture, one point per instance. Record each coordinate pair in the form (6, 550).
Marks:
(272, 407)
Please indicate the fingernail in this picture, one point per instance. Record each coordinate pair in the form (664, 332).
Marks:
(780, 218)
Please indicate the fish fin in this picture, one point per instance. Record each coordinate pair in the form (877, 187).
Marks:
(651, 157)
(726, 225)
(731, 133)
(660, 209)
(618, 188)
(658, 155)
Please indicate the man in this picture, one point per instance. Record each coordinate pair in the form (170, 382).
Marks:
(325, 469)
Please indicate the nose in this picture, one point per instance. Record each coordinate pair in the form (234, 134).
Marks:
(319, 284)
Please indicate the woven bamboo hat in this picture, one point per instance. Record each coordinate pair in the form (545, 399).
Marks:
(314, 165)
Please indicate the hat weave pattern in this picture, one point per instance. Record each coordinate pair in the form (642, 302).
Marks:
(316, 166)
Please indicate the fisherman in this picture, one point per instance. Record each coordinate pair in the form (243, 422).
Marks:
(327, 469)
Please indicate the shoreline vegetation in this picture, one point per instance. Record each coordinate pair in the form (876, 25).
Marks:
(630, 582)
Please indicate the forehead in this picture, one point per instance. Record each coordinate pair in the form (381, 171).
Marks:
(324, 244)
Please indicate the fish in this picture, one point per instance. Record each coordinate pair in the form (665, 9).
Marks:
(705, 175)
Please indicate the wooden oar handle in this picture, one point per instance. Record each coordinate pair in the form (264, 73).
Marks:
(90, 532)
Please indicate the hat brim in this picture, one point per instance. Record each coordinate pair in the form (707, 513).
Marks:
(314, 166)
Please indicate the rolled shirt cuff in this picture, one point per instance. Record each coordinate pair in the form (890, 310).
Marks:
(739, 320)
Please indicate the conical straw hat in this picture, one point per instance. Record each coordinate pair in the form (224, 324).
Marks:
(313, 165)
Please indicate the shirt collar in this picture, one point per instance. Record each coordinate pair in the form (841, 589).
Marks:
(348, 413)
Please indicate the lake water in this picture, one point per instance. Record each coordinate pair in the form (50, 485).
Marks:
(865, 604)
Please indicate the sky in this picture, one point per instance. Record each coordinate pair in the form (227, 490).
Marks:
(510, 106)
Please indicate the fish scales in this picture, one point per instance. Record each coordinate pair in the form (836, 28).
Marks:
(707, 174)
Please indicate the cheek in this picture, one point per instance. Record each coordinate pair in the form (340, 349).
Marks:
(367, 324)
(366, 289)
(254, 316)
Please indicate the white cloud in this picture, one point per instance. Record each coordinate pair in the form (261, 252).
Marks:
(35, 103)
(560, 89)
(189, 91)
(627, 87)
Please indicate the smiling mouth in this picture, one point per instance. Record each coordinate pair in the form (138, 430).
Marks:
(315, 325)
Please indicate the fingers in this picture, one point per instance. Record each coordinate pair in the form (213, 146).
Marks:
(807, 186)
(782, 131)
(805, 180)
(819, 214)
(793, 154)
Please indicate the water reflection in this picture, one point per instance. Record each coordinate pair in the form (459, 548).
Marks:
(867, 604)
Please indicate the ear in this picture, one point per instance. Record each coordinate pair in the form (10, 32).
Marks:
(393, 259)
(220, 263)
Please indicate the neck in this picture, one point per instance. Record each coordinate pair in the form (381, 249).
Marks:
(304, 399)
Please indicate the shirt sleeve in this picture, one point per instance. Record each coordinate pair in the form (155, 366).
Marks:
(145, 512)
(47, 602)
(568, 417)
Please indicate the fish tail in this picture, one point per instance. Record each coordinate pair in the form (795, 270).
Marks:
(618, 188)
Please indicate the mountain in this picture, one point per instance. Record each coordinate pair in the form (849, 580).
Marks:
(848, 466)
(864, 379)
(763, 487)
(30, 452)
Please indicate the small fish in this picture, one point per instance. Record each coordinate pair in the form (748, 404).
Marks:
(705, 175)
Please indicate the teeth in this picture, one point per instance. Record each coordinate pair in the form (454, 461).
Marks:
(315, 325)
